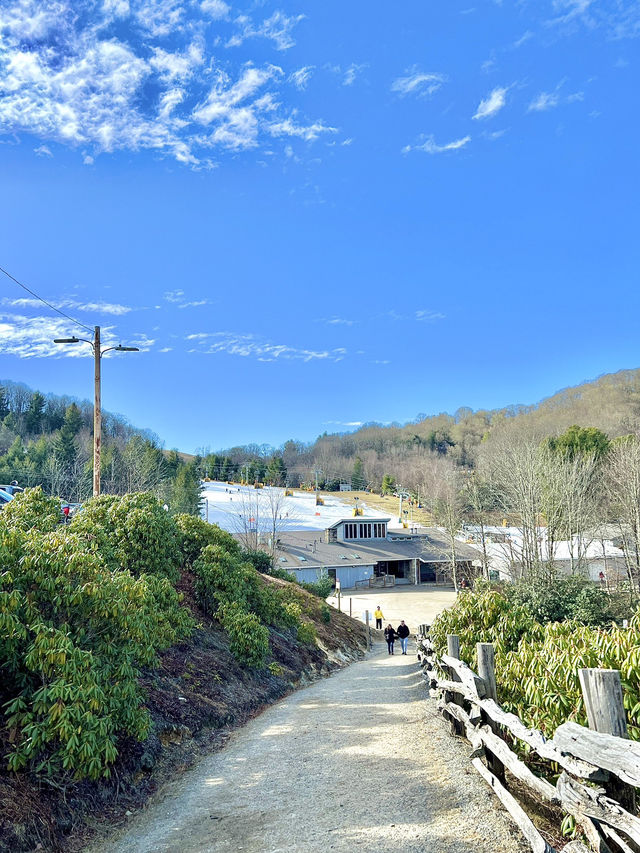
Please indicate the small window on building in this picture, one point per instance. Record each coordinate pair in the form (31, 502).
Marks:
(302, 559)
(283, 559)
(356, 556)
(350, 531)
(343, 556)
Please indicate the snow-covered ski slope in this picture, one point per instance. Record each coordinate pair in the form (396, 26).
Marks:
(231, 507)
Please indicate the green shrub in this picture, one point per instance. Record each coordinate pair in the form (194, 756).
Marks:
(260, 560)
(275, 669)
(307, 634)
(283, 575)
(483, 617)
(290, 614)
(73, 636)
(196, 534)
(326, 614)
(222, 578)
(537, 665)
(322, 587)
(561, 597)
(141, 535)
(32, 510)
(248, 639)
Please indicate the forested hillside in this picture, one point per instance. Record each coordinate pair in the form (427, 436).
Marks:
(46, 440)
(610, 403)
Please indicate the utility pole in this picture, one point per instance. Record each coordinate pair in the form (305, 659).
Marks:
(97, 397)
(97, 412)
(399, 504)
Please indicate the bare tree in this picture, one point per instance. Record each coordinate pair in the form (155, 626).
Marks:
(623, 491)
(258, 516)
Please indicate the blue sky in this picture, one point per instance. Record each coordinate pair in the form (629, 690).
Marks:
(310, 215)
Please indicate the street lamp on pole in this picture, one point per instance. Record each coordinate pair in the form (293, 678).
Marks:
(97, 399)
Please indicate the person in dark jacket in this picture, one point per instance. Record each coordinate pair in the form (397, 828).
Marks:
(403, 632)
(390, 636)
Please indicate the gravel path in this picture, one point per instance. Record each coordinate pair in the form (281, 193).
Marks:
(358, 760)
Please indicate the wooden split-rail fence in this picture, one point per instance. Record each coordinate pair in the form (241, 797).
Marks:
(597, 769)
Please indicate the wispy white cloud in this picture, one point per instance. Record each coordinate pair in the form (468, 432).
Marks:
(567, 10)
(619, 18)
(104, 77)
(429, 316)
(216, 9)
(301, 77)
(347, 75)
(178, 298)
(43, 151)
(549, 100)
(337, 321)
(278, 28)
(249, 346)
(544, 101)
(430, 146)
(524, 38)
(97, 307)
(416, 82)
(351, 73)
(308, 132)
(492, 104)
(32, 337)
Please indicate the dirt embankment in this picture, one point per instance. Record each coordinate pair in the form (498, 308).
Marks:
(196, 696)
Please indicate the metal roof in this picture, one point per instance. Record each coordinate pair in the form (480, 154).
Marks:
(359, 519)
(308, 549)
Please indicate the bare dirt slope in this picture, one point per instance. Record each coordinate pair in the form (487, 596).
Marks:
(359, 760)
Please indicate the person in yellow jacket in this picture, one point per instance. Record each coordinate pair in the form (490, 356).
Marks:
(379, 617)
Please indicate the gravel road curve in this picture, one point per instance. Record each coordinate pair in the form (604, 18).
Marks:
(358, 760)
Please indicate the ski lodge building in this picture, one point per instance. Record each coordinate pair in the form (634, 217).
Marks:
(355, 550)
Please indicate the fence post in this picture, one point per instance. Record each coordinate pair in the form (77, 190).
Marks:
(487, 672)
(487, 669)
(350, 607)
(453, 646)
(453, 650)
(602, 694)
(368, 630)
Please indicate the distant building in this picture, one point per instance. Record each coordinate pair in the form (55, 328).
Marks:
(353, 550)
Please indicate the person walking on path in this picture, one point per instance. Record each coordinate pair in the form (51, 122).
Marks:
(379, 617)
(403, 632)
(390, 636)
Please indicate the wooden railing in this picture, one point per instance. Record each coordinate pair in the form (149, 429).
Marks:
(596, 769)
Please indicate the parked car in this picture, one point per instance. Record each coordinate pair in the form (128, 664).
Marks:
(12, 488)
(5, 498)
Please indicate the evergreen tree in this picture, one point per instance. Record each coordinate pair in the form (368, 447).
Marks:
(388, 485)
(173, 462)
(73, 419)
(358, 480)
(580, 441)
(4, 403)
(53, 418)
(186, 491)
(276, 471)
(34, 414)
(65, 448)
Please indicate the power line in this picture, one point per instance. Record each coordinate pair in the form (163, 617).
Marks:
(44, 301)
